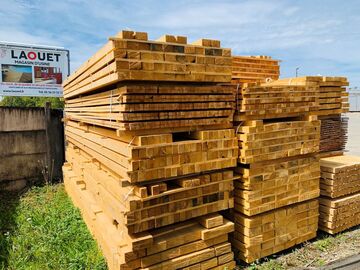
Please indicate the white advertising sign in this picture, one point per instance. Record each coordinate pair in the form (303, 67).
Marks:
(32, 71)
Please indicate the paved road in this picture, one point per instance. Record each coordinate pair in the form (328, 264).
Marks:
(353, 145)
(350, 263)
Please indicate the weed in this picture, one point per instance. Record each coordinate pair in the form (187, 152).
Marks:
(320, 262)
(324, 244)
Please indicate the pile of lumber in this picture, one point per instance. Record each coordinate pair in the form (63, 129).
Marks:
(267, 233)
(131, 56)
(163, 135)
(138, 106)
(275, 197)
(330, 92)
(277, 126)
(251, 69)
(340, 193)
(147, 206)
(333, 97)
(340, 175)
(200, 243)
(136, 80)
(269, 100)
(264, 186)
(333, 133)
(150, 147)
(260, 140)
(150, 157)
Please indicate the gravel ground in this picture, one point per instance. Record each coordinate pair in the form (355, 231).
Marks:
(353, 145)
(313, 254)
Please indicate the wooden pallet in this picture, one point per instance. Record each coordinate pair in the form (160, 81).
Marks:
(200, 243)
(266, 101)
(268, 185)
(251, 69)
(186, 154)
(139, 106)
(259, 236)
(339, 214)
(333, 135)
(260, 140)
(340, 176)
(145, 207)
(331, 92)
(131, 56)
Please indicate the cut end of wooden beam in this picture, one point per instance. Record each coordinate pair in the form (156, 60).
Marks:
(211, 220)
(207, 43)
(173, 39)
(127, 34)
(262, 56)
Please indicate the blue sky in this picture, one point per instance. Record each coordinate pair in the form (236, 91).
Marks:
(320, 37)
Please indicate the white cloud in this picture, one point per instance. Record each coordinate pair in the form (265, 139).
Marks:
(320, 38)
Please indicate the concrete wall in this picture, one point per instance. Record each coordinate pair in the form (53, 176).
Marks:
(23, 145)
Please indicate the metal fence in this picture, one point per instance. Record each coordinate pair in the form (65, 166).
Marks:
(354, 100)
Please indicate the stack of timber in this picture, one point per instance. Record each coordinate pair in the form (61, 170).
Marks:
(275, 197)
(332, 100)
(276, 203)
(151, 157)
(131, 56)
(269, 101)
(251, 69)
(340, 193)
(200, 243)
(268, 185)
(139, 106)
(273, 231)
(333, 133)
(150, 147)
(261, 140)
(330, 91)
(150, 198)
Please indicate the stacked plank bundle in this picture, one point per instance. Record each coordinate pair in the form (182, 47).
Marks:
(276, 203)
(332, 102)
(340, 193)
(275, 198)
(149, 147)
(330, 92)
(251, 69)
(271, 100)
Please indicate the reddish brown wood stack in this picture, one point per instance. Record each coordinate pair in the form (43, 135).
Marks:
(333, 133)
(251, 69)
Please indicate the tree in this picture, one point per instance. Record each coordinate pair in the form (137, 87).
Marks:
(56, 103)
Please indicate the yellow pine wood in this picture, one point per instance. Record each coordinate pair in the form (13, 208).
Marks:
(262, 235)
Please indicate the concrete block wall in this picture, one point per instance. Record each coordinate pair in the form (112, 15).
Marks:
(23, 145)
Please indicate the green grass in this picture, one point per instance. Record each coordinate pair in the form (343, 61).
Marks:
(267, 265)
(43, 230)
(324, 244)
